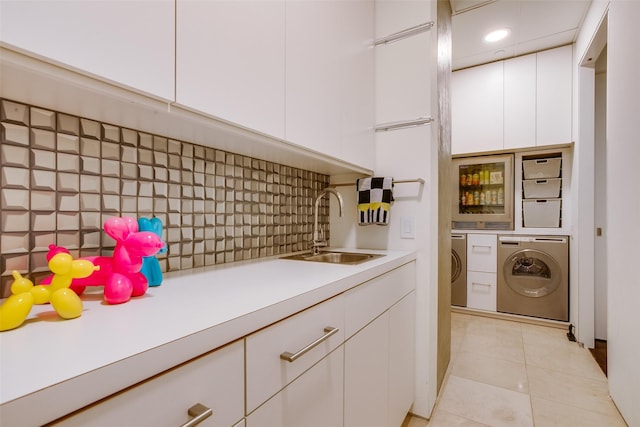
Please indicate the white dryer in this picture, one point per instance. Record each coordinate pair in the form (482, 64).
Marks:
(533, 276)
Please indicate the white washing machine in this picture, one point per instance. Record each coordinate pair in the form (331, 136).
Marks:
(459, 269)
(533, 276)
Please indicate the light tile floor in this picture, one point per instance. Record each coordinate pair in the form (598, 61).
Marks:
(505, 373)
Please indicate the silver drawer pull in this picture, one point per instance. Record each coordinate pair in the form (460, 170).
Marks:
(199, 412)
(289, 357)
(481, 246)
(488, 286)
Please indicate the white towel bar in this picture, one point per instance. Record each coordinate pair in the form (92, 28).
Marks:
(403, 124)
(404, 33)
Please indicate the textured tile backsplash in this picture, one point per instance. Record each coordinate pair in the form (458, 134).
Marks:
(62, 176)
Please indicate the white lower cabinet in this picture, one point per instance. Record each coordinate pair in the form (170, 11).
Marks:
(267, 372)
(481, 290)
(366, 380)
(315, 399)
(379, 368)
(402, 338)
(482, 264)
(482, 252)
(362, 375)
(346, 361)
(379, 357)
(214, 380)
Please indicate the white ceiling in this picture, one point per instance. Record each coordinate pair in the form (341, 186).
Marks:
(535, 25)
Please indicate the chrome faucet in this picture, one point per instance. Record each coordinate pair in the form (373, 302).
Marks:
(318, 235)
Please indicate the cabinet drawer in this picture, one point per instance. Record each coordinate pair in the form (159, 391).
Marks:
(541, 213)
(542, 168)
(481, 252)
(267, 373)
(367, 301)
(547, 188)
(481, 290)
(315, 399)
(215, 380)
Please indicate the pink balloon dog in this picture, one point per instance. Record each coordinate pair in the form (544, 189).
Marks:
(120, 274)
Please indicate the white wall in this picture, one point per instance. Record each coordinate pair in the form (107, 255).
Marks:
(620, 18)
(623, 154)
(404, 70)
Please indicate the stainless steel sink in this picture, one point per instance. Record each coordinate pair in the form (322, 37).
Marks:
(350, 258)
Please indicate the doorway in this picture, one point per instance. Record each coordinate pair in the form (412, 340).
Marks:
(590, 172)
(600, 203)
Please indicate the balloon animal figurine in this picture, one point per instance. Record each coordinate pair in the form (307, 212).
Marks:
(65, 302)
(17, 307)
(120, 274)
(150, 264)
(65, 269)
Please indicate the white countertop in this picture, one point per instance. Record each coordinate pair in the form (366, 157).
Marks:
(58, 366)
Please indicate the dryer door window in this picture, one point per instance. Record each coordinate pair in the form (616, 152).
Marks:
(532, 273)
(456, 266)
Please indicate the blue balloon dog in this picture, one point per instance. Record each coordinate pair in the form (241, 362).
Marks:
(150, 264)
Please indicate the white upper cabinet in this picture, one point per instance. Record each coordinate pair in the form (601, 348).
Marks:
(520, 102)
(299, 71)
(128, 42)
(554, 89)
(516, 103)
(477, 109)
(330, 78)
(399, 66)
(230, 61)
(402, 67)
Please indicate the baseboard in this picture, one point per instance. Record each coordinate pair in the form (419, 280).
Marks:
(511, 317)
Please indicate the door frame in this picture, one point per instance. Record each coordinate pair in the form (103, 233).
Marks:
(582, 293)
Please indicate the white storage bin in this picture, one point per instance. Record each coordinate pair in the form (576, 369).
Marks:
(542, 168)
(542, 188)
(541, 213)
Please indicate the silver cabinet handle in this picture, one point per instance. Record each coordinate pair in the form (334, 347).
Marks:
(199, 412)
(488, 286)
(289, 357)
(481, 246)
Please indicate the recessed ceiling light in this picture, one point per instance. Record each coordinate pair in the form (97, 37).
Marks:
(497, 35)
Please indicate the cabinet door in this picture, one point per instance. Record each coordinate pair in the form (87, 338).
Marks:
(230, 61)
(367, 301)
(129, 42)
(520, 102)
(215, 380)
(402, 327)
(314, 399)
(477, 109)
(366, 375)
(481, 290)
(554, 81)
(329, 78)
(267, 373)
(482, 252)
(399, 66)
